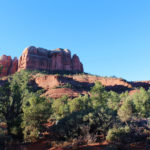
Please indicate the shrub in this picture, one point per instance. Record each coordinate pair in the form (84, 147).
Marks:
(86, 136)
(125, 111)
(99, 96)
(67, 85)
(79, 103)
(36, 111)
(23, 110)
(141, 100)
(72, 125)
(11, 99)
(60, 108)
(114, 100)
(118, 135)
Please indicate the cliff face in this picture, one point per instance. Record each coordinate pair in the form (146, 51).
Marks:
(49, 60)
(9, 65)
(58, 60)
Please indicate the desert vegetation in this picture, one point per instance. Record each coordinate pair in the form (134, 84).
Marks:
(95, 117)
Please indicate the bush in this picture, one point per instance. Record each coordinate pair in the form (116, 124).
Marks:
(67, 85)
(125, 111)
(141, 100)
(79, 103)
(60, 108)
(72, 115)
(71, 126)
(118, 135)
(23, 110)
(11, 99)
(86, 136)
(113, 100)
(36, 111)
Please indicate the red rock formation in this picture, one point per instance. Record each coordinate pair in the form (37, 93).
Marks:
(9, 66)
(47, 81)
(59, 92)
(14, 66)
(76, 64)
(49, 60)
(55, 85)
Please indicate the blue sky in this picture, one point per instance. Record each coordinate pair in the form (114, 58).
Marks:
(111, 37)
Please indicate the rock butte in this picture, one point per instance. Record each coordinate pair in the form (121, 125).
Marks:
(58, 60)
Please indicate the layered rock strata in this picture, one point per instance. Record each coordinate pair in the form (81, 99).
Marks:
(55, 61)
(49, 60)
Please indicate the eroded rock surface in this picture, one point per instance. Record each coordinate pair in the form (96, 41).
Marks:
(56, 86)
(53, 61)
(58, 60)
(9, 65)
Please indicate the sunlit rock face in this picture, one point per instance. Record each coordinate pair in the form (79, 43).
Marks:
(49, 60)
(58, 60)
(9, 65)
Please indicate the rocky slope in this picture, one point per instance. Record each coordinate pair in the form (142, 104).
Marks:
(74, 85)
(56, 86)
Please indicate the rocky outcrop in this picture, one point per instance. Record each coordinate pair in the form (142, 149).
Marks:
(8, 65)
(56, 86)
(53, 61)
(58, 60)
(14, 66)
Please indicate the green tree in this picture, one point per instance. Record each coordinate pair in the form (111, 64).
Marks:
(36, 111)
(114, 100)
(99, 95)
(79, 103)
(23, 108)
(11, 98)
(119, 135)
(99, 99)
(141, 100)
(125, 111)
(85, 111)
(60, 108)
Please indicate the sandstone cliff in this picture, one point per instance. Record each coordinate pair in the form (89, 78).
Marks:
(9, 65)
(53, 61)
(58, 60)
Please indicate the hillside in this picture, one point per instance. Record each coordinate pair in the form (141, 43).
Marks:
(80, 84)
(48, 102)
(58, 85)
(60, 61)
(59, 111)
